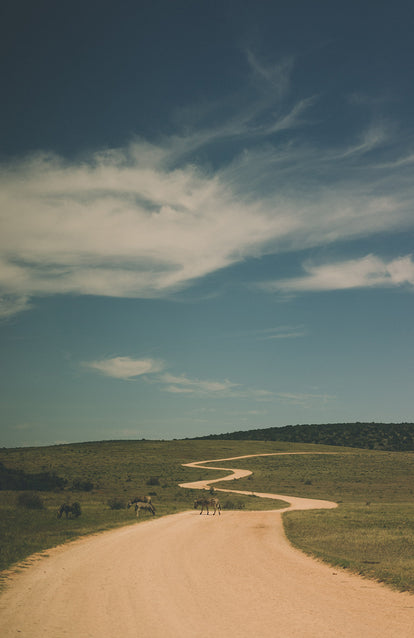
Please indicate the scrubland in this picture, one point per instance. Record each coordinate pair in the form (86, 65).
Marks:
(371, 532)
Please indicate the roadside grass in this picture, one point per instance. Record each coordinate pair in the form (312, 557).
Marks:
(249, 503)
(25, 532)
(336, 475)
(375, 541)
(371, 532)
(118, 471)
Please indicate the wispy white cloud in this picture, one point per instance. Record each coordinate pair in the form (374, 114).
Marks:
(125, 367)
(372, 138)
(400, 162)
(277, 76)
(367, 272)
(12, 304)
(219, 389)
(277, 332)
(148, 220)
(128, 368)
(281, 332)
(183, 385)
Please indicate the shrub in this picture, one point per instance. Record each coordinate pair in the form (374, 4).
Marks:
(153, 480)
(82, 486)
(30, 501)
(116, 504)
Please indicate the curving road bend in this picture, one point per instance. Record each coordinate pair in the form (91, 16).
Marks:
(192, 576)
(293, 502)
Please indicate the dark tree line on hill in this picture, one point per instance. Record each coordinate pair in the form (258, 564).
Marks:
(374, 436)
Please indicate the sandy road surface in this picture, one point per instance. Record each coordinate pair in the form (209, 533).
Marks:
(192, 576)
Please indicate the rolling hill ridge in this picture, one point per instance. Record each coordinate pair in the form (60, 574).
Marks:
(373, 436)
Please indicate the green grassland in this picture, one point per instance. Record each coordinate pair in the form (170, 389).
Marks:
(118, 470)
(371, 532)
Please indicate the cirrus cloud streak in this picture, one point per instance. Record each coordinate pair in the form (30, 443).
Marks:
(127, 369)
(367, 272)
(149, 219)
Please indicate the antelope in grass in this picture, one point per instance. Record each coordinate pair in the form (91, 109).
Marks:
(206, 502)
(144, 506)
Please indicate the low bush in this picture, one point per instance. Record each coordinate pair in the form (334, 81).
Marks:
(30, 501)
(82, 486)
(153, 480)
(116, 504)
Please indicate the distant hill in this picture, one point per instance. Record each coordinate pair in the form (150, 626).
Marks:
(374, 436)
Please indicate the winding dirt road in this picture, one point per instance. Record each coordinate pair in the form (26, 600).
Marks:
(192, 576)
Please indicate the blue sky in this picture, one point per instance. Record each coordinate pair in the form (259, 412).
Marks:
(207, 215)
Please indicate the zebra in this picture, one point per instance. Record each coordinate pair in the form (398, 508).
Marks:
(139, 499)
(205, 502)
(144, 506)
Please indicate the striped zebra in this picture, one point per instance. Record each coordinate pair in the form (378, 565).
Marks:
(144, 506)
(206, 502)
(139, 499)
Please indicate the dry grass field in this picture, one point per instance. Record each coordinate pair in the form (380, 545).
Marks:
(371, 532)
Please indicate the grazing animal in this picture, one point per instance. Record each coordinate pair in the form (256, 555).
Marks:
(139, 499)
(206, 502)
(74, 509)
(144, 506)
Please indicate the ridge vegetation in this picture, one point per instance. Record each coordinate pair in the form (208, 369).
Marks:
(373, 436)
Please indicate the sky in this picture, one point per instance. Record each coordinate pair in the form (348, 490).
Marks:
(206, 217)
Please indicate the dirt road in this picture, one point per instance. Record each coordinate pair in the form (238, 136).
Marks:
(192, 576)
